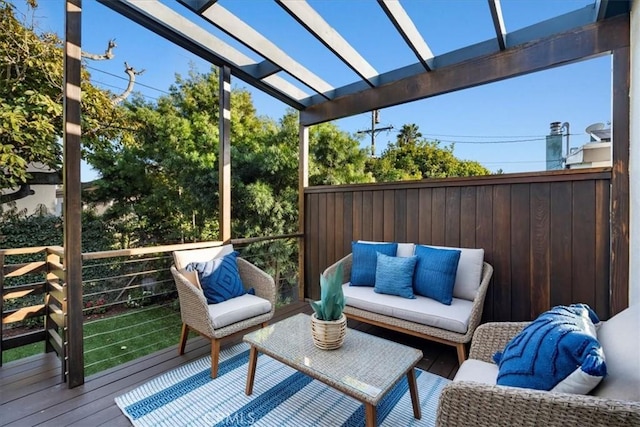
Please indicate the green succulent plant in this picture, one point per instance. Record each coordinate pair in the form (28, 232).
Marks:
(332, 301)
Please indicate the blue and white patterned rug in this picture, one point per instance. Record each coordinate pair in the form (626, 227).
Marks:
(187, 396)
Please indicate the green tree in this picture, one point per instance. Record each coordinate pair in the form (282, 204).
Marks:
(413, 157)
(31, 71)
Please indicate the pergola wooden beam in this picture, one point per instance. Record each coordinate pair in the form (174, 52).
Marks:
(498, 23)
(327, 35)
(407, 29)
(73, 350)
(183, 32)
(589, 41)
(236, 28)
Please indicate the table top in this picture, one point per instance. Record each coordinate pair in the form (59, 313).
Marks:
(366, 367)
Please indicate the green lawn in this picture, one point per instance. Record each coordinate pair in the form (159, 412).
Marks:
(115, 340)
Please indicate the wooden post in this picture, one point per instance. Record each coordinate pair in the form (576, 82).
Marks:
(303, 182)
(1, 301)
(73, 336)
(619, 282)
(224, 157)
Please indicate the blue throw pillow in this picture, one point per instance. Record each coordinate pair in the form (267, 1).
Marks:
(365, 260)
(558, 351)
(394, 275)
(219, 278)
(435, 273)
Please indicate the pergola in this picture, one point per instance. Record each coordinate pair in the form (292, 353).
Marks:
(600, 28)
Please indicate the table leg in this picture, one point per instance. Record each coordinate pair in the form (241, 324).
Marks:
(370, 415)
(413, 389)
(253, 361)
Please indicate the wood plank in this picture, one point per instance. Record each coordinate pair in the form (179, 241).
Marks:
(400, 216)
(540, 249)
(438, 216)
(357, 216)
(413, 216)
(377, 213)
(468, 217)
(389, 216)
(520, 253)
(620, 204)
(502, 252)
(583, 244)
(338, 228)
(602, 249)
(452, 220)
(312, 246)
(323, 226)
(347, 226)
(330, 230)
(368, 215)
(561, 268)
(425, 218)
(484, 240)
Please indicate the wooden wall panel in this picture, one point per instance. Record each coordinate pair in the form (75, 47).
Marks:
(546, 235)
(452, 221)
(540, 248)
(502, 252)
(561, 269)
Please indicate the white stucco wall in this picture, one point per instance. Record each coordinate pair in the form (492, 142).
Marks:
(634, 160)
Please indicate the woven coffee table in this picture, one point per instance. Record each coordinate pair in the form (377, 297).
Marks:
(365, 367)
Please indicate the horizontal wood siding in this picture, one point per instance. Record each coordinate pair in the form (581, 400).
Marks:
(546, 234)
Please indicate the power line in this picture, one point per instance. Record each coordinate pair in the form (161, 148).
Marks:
(124, 78)
(120, 88)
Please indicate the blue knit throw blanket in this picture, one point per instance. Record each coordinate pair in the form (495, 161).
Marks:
(553, 346)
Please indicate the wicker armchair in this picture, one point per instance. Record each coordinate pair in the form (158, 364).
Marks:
(466, 403)
(247, 311)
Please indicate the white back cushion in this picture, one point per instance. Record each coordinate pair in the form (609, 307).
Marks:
(621, 345)
(404, 249)
(469, 272)
(182, 258)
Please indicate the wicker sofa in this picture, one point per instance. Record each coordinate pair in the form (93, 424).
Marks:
(423, 317)
(474, 399)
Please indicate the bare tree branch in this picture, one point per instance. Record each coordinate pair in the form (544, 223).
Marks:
(108, 54)
(132, 73)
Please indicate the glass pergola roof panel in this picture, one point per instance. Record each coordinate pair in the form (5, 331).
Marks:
(446, 28)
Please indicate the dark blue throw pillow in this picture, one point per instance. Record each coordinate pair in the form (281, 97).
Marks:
(435, 274)
(219, 278)
(365, 260)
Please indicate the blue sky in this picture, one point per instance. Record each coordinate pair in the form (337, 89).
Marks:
(479, 120)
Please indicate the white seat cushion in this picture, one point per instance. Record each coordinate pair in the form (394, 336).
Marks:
(477, 371)
(237, 309)
(423, 310)
(620, 342)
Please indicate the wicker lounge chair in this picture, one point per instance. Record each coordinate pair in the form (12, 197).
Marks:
(216, 321)
(470, 401)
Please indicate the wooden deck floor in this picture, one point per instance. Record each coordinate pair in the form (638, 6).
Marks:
(31, 392)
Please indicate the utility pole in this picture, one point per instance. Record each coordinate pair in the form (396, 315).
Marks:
(375, 119)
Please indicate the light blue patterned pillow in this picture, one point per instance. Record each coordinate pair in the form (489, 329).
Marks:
(365, 260)
(219, 278)
(435, 274)
(558, 351)
(394, 275)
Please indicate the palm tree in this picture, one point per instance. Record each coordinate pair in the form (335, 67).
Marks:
(408, 134)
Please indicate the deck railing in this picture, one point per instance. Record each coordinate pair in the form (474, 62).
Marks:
(123, 290)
